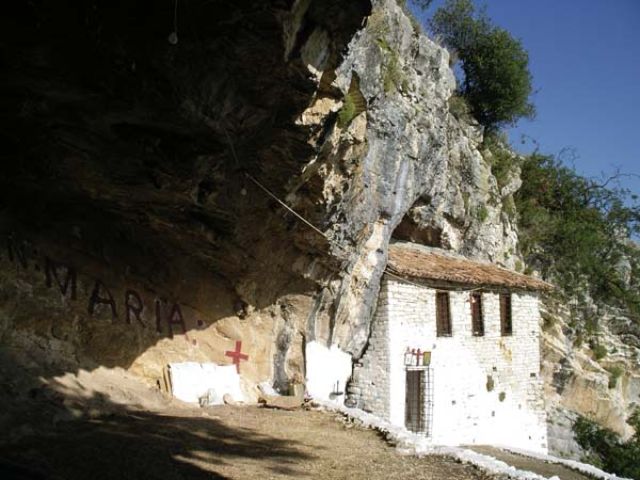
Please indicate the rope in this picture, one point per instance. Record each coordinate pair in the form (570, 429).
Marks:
(175, 18)
(386, 271)
(300, 217)
(320, 232)
(273, 195)
(233, 150)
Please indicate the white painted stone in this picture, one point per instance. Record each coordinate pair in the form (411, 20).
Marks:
(191, 380)
(328, 370)
(464, 410)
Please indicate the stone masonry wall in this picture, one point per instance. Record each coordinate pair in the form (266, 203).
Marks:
(486, 389)
(370, 382)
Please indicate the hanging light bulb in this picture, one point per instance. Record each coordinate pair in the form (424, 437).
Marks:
(173, 36)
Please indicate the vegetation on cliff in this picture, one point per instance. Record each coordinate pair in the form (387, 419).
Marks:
(573, 229)
(605, 448)
(577, 230)
(496, 81)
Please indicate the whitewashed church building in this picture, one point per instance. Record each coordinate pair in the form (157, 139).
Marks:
(454, 352)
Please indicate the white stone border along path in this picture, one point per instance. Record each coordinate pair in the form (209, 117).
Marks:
(411, 444)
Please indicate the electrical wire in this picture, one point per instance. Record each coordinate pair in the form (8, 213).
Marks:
(175, 18)
(300, 217)
(386, 271)
(331, 242)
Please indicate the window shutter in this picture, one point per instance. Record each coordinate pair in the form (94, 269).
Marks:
(477, 323)
(506, 325)
(443, 317)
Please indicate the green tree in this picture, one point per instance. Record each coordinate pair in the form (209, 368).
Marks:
(576, 230)
(423, 4)
(606, 449)
(496, 82)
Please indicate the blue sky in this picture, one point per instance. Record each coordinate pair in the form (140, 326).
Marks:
(584, 57)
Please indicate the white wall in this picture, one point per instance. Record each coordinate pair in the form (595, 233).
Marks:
(327, 367)
(191, 380)
(464, 411)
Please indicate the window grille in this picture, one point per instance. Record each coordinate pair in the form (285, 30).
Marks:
(419, 400)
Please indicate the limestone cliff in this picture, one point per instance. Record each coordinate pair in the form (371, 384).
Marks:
(144, 156)
(136, 169)
(602, 384)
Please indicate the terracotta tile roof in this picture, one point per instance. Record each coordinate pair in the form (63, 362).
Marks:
(425, 264)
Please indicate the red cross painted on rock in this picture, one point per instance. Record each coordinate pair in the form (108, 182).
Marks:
(236, 355)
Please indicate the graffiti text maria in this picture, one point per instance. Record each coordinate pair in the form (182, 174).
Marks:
(167, 315)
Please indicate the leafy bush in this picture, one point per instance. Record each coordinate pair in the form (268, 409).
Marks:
(347, 112)
(458, 107)
(496, 82)
(393, 77)
(500, 157)
(354, 103)
(482, 214)
(599, 350)
(576, 230)
(605, 448)
(509, 206)
(615, 372)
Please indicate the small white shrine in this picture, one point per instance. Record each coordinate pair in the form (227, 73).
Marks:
(454, 352)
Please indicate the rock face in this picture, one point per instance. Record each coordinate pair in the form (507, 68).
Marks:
(405, 157)
(145, 158)
(123, 186)
(150, 170)
(601, 383)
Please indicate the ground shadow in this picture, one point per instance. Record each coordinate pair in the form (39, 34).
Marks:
(130, 444)
(125, 214)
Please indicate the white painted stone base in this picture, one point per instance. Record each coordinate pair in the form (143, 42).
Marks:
(328, 370)
(191, 380)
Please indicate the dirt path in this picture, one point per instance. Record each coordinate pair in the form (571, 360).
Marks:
(221, 442)
(531, 464)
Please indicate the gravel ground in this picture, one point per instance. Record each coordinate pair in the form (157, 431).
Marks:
(219, 442)
(532, 465)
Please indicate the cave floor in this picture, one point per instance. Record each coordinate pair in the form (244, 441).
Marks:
(238, 442)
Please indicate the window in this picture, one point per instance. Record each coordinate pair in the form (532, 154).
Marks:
(506, 327)
(443, 317)
(477, 323)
